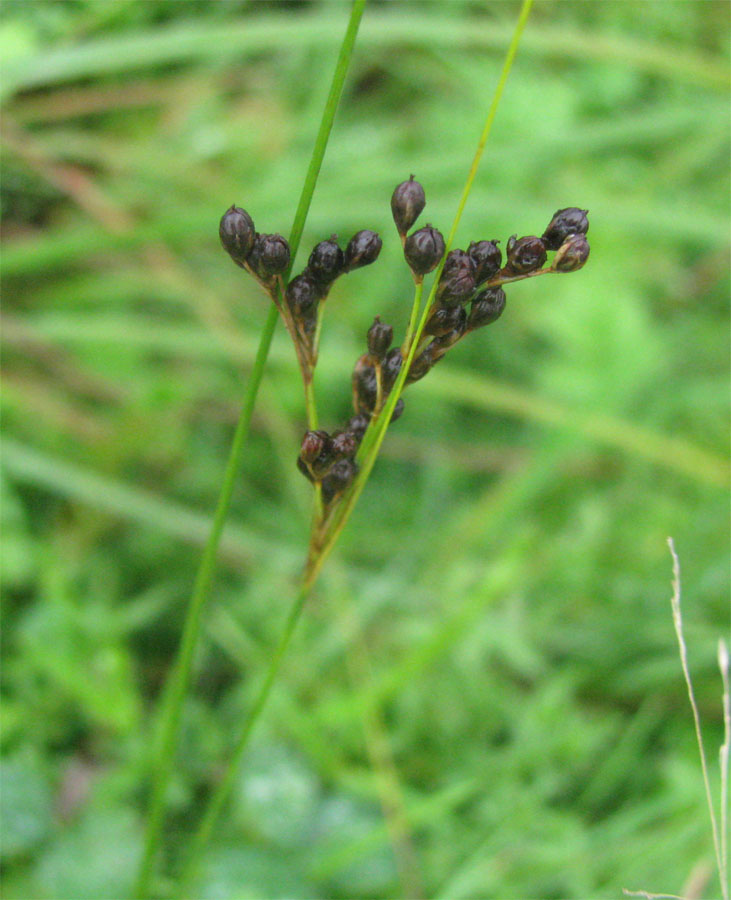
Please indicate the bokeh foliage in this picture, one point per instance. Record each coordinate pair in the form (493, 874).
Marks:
(485, 698)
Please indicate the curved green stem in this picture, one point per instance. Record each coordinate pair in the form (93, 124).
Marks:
(180, 676)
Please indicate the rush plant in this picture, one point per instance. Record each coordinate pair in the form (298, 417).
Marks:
(466, 294)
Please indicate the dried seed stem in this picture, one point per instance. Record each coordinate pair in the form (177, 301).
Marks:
(678, 623)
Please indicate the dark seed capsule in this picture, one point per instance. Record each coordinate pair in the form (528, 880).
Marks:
(313, 444)
(456, 261)
(456, 289)
(457, 281)
(322, 465)
(317, 452)
(338, 479)
(443, 320)
(390, 367)
(436, 352)
(445, 341)
(303, 292)
(420, 366)
(525, 255)
(362, 250)
(365, 387)
(423, 250)
(487, 257)
(398, 409)
(572, 254)
(357, 426)
(344, 444)
(326, 261)
(270, 255)
(379, 338)
(564, 223)
(407, 202)
(237, 233)
(487, 307)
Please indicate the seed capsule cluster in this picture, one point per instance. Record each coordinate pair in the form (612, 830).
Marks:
(469, 293)
(267, 257)
(468, 296)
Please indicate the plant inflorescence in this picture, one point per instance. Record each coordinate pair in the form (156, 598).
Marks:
(469, 295)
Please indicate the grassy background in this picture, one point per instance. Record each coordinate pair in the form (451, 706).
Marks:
(485, 698)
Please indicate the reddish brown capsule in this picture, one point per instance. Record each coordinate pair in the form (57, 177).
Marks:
(326, 261)
(487, 307)
(357, 425)
(390, 368)
(365, 386)
(362, 250)
(420, 366)
(564, 223)
(316, 453)
(423, 250)
(445, 341)
(572, 254)
(487, 258)
(457, 280)
(344, 444)
(407, 203)
(303, 293)
(237, 234)
(338, 479)
(313, 444)
(269, 256)
(379, 338)
(443, 320)
(525, 255)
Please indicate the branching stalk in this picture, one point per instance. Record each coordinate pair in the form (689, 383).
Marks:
(325, 536)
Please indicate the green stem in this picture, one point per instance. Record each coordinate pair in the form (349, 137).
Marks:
(328, 115)
(223, 789)
(406, 346)
(180, 676)
(310, 406)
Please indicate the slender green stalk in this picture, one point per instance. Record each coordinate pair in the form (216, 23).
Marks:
(180, 676)
(310, 406)
(220, 795)
(328, 115)
(406, 346)
(175, 693)
(317, 558)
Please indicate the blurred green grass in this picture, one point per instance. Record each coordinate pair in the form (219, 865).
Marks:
(491, 657)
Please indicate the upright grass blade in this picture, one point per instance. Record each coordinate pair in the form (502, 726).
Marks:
(314, 563)
(180, 676)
